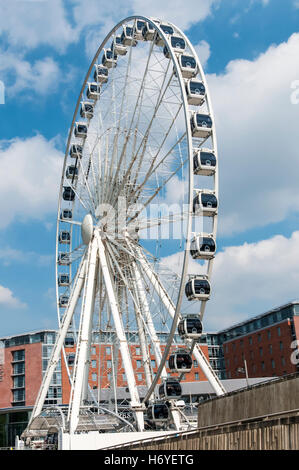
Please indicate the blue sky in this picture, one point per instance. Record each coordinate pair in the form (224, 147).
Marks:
(249, 55)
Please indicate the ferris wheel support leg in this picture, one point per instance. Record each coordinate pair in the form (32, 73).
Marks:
(199, 356)
(148, 319)
(124, 349)
(56, 352)
(83, 340)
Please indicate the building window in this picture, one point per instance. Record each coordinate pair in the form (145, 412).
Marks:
(273, 363)
(139, 377)
(19, 368)
(259, 337)
(196, 376)
(281, 345)
(93, 364)
(261, 351)
(109, 364)
(278, 331)
(18, 396)
(250, 339)
(93, 351)
(108, 350)
(283, 361)
(269, 334)
(137, 351)
(153, 363)
(138, 363)
(18, 355)
(19, 381)
(270, 348)
(94, 377)
(195, 363)
(263, 365)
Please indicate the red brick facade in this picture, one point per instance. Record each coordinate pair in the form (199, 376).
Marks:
(267, 352)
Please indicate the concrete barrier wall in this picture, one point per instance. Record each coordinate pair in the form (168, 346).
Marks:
(278, 434)
(274, 397)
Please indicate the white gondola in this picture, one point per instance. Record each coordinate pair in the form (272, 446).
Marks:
(100, 74)
(168, 30)
(71, 172)
(148, 32)
(180, 361)
(117, 47)
(158, 413)
(109, 59)
(205, 203)
(93, 91)
(63, 301)
(63, 280)
(86, 110)
(177, 44)
(64, 237)
(68, 193)
(63, 259)
(80, 130)
(198, 288)
(201, 125)
(69, 342)
(66, 214)
(204, 162)
(170, 389)
(71, 359)
(138, 30)
(190, 327)
(127, 36)
(188, 65)
(196, 91)
(76, 151)
(203, 246)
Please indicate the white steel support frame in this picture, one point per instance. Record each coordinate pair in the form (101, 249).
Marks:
(80, 377)
(199, 356)
(124, 349)
(56, 352)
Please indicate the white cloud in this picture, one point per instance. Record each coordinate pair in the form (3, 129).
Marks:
(203, 51)
(30, 173)
(42, 76)
(30, 24)
(248, 280)
(7, 299)
(257, 129)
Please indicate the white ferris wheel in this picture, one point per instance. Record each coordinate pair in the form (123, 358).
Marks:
(139, 185)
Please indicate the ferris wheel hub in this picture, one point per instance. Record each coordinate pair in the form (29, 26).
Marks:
(87, 229)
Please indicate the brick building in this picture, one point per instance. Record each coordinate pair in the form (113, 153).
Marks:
(267, 344)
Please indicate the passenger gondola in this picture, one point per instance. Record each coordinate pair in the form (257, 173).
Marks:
(148, 32)
(198, 288)
(64, 237)
(138, 30)
(100, 74)
(170, 389)
(63, 280)
(127, 36)
(168, 30)
(180, 361)
(109, 59)
(190, 327)
(203, 246)
(177, 44)
(80, 130)
(93, 91)
(86, 110)
(196, 91)
(71, 172)
(63, 301)
(204, 162)
(117, 47)
(201, 125)
(68, 193)
(188, 65)
(63, 259)
(205, 203)
(158, 413)
(76, 151)
(66, 214)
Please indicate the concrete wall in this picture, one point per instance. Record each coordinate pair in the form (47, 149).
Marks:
(276, 397)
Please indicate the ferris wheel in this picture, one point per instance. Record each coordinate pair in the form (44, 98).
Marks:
(138, 206)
